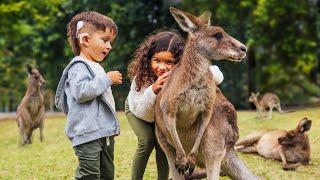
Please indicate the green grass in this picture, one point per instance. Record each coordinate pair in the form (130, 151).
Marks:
(55, 159)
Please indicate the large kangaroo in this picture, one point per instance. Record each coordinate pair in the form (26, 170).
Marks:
(291, 147)
(30, 112)
(266, 100)
(184, 105)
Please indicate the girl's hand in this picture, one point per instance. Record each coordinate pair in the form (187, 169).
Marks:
(115, 76)
(157, 86)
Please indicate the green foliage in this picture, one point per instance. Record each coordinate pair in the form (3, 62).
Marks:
(282, 34)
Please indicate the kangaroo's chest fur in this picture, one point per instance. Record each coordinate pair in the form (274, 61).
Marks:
(34, 104)
(190, 98)
(193, 100)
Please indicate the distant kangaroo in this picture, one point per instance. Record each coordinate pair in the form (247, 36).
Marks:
(291, 147)
(30, 112)
(266, 100)
(184, 106)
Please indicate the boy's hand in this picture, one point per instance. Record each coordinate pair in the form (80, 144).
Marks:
(115, 76)
(157, 86)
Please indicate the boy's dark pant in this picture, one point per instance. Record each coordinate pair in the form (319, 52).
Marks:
(95, 159)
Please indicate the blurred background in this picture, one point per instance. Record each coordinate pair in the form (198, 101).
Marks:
(283, 38)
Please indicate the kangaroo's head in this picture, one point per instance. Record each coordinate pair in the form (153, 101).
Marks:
(253, 97)
(35, 79)
(211, 42)
(297, 138)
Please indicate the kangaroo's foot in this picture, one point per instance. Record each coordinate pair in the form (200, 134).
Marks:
(182, 164)
(290, 167)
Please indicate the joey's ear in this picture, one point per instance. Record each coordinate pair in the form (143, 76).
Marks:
(28, 69)
(205, 18)
(304, 125)
(186, 21)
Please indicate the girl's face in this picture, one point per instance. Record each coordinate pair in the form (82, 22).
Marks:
(162, 62)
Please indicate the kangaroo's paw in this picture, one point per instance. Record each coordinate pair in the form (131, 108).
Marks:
(191, 161)
(289, 167)
(182, 164)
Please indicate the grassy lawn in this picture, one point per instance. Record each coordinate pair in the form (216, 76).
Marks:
(55, 159)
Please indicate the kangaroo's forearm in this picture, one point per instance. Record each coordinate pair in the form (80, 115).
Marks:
(171, 126)
(203, 126)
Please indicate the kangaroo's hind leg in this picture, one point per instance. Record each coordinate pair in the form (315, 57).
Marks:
(271, 106)
(247, 149)
(171, 156)
(213, 167)
(22, 131)
(250, 139)
(278, 106)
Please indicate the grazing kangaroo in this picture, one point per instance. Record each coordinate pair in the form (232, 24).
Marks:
(184, 106)
(30, 112)
(266, 100)
(291, 147)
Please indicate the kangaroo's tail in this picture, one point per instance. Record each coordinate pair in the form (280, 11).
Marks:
(197, 174)
(284, 112)
(281, 111)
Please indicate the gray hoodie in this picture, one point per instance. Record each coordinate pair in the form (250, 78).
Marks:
(79, 95)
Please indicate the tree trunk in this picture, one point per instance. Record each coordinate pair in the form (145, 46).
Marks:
(251, 67)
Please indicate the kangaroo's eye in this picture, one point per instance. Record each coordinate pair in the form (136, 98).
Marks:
(218, 36)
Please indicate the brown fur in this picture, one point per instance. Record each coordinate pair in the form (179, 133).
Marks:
(185, 122)
(291, 147)
(30, 112)
(224, 120)
(266, 100)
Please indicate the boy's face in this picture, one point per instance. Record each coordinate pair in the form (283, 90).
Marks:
(99, 44)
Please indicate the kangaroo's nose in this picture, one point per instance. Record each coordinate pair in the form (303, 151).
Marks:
(243, 48)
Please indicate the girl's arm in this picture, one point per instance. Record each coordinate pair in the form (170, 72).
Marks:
(82, 87)
(142, 103)
(217, 74)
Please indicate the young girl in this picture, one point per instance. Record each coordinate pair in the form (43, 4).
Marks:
(148, 71)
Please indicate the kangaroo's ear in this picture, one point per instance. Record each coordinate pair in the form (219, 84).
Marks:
(186, 21)
(304, 125)
(205, 18)
(29, 69)
(257, 94)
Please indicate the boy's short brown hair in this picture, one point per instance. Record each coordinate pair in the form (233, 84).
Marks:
(93, 21)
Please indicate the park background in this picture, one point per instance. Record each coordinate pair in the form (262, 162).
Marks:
(283, 40)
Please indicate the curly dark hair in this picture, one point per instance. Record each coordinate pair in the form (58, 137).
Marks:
(140, 67)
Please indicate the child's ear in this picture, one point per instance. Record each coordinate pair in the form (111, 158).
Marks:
(84, 39)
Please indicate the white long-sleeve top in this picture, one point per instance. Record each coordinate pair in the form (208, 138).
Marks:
(142, 103)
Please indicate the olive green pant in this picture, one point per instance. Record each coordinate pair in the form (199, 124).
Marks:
(95, 159)
(146, 143)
